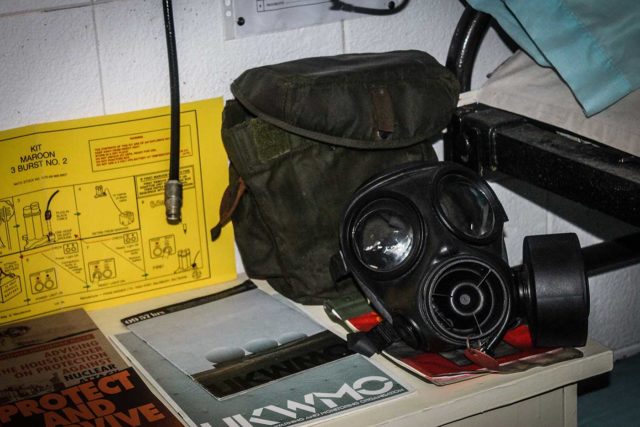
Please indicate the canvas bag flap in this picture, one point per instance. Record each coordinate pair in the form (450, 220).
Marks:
(369, 100)
(302, 136)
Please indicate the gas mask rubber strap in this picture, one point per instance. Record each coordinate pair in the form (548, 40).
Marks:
(373, 341)
(337, 267)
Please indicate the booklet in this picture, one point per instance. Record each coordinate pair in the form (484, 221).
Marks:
(244, 357)
(61, 370)
(53, 352)
(514, 354)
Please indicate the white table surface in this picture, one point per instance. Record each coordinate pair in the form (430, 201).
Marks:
(427, 404)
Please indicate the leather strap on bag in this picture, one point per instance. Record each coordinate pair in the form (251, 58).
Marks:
(383, 111)
(230, 200)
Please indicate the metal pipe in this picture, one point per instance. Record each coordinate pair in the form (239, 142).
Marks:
(463, 49)
(465, 42)
(612, 255)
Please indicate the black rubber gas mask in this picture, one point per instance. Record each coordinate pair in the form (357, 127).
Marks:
(425, 244)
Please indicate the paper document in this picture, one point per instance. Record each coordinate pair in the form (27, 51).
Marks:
(245, 18)
(82, 216)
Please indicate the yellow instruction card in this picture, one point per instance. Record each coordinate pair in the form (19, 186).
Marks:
(82, 217)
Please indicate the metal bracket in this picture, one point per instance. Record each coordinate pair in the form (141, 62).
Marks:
(490, 140)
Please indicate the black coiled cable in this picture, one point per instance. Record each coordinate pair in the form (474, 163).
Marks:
(174, 160)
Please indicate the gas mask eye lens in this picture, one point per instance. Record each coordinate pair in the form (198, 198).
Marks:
(465, 207)
(384, 235)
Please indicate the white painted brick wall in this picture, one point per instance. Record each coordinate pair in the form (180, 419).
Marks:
(64, 59)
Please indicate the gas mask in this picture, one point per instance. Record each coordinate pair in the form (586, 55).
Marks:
(424, 242)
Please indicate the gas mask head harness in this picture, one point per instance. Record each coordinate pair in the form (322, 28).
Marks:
(424, 242)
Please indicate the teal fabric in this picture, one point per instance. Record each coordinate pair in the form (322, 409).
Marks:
(593, 44)
(617, 404)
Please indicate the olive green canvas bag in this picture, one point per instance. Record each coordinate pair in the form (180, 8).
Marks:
(301, 136)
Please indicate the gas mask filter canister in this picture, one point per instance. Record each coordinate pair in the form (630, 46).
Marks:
(424, 242)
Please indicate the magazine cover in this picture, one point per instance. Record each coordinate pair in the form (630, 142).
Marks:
(51, 353)
(208, 334)
(117, 399)
(246, 358)
(60, 370)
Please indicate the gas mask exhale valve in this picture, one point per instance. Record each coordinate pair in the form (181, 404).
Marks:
(424, 242)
